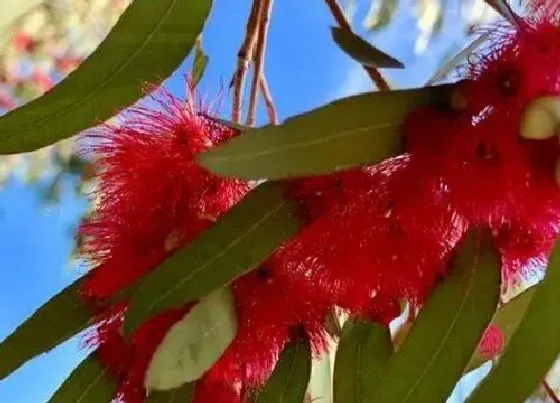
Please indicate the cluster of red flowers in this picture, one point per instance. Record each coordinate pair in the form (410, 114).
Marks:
(372, 237)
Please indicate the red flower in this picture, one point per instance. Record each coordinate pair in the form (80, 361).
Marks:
(492, 342)
(151, 199)
(372, 236)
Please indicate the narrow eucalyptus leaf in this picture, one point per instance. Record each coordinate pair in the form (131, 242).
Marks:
(88, 383)
(362, 353)
(149, 41)
(345, 134)
(533, 348)
(241, 239)
(446, 332)
(184, 394)
(288, 383)
(362, 51)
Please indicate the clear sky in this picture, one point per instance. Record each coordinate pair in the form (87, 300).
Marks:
(304, 69)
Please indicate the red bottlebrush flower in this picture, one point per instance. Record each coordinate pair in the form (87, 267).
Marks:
(492, 342)
(386, 236)
(152, 197)
(490, 175)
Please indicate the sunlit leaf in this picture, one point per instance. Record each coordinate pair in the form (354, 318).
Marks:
(288, 383)
(320, 141)
(242, 239)
(362, 353)
(88, 383)
(361, 51)
(194, 343)
(533, 348)
(149, 41)
(446, 332)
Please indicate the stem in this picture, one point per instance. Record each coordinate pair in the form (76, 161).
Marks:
(265, 10)
(372, 72)
(270, 109)
(550, 392)
(243, 56)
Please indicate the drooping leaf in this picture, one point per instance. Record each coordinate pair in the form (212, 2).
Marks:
(380, 14)
(88, 383)
(446, 332)
(184, 394)
(288, 383)
(507, 318)
(344, 134)
(362, 51)
(149, 41)
(199, 63)
(533, 348)
(242, 239)
(56, 321)
(194, 343)
(362, 353)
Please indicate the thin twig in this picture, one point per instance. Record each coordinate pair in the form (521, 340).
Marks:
(244, 55)
(550, 392)
(262, 31)
(340, 19)
(270, 109)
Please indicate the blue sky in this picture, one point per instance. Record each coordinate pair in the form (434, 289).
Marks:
(304, 70)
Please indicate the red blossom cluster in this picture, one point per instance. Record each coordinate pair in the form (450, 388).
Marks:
(372, 237)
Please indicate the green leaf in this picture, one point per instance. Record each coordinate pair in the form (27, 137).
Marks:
(362, 353)
(446, 332)
(241, 239)
(288, 383)
(184, 394)
(88, 383)
(507, 319)
(194, 343)
(344, 134)
(199, 63)
(532, 349)
(362, 51)
(56, 321)
(149, 41)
